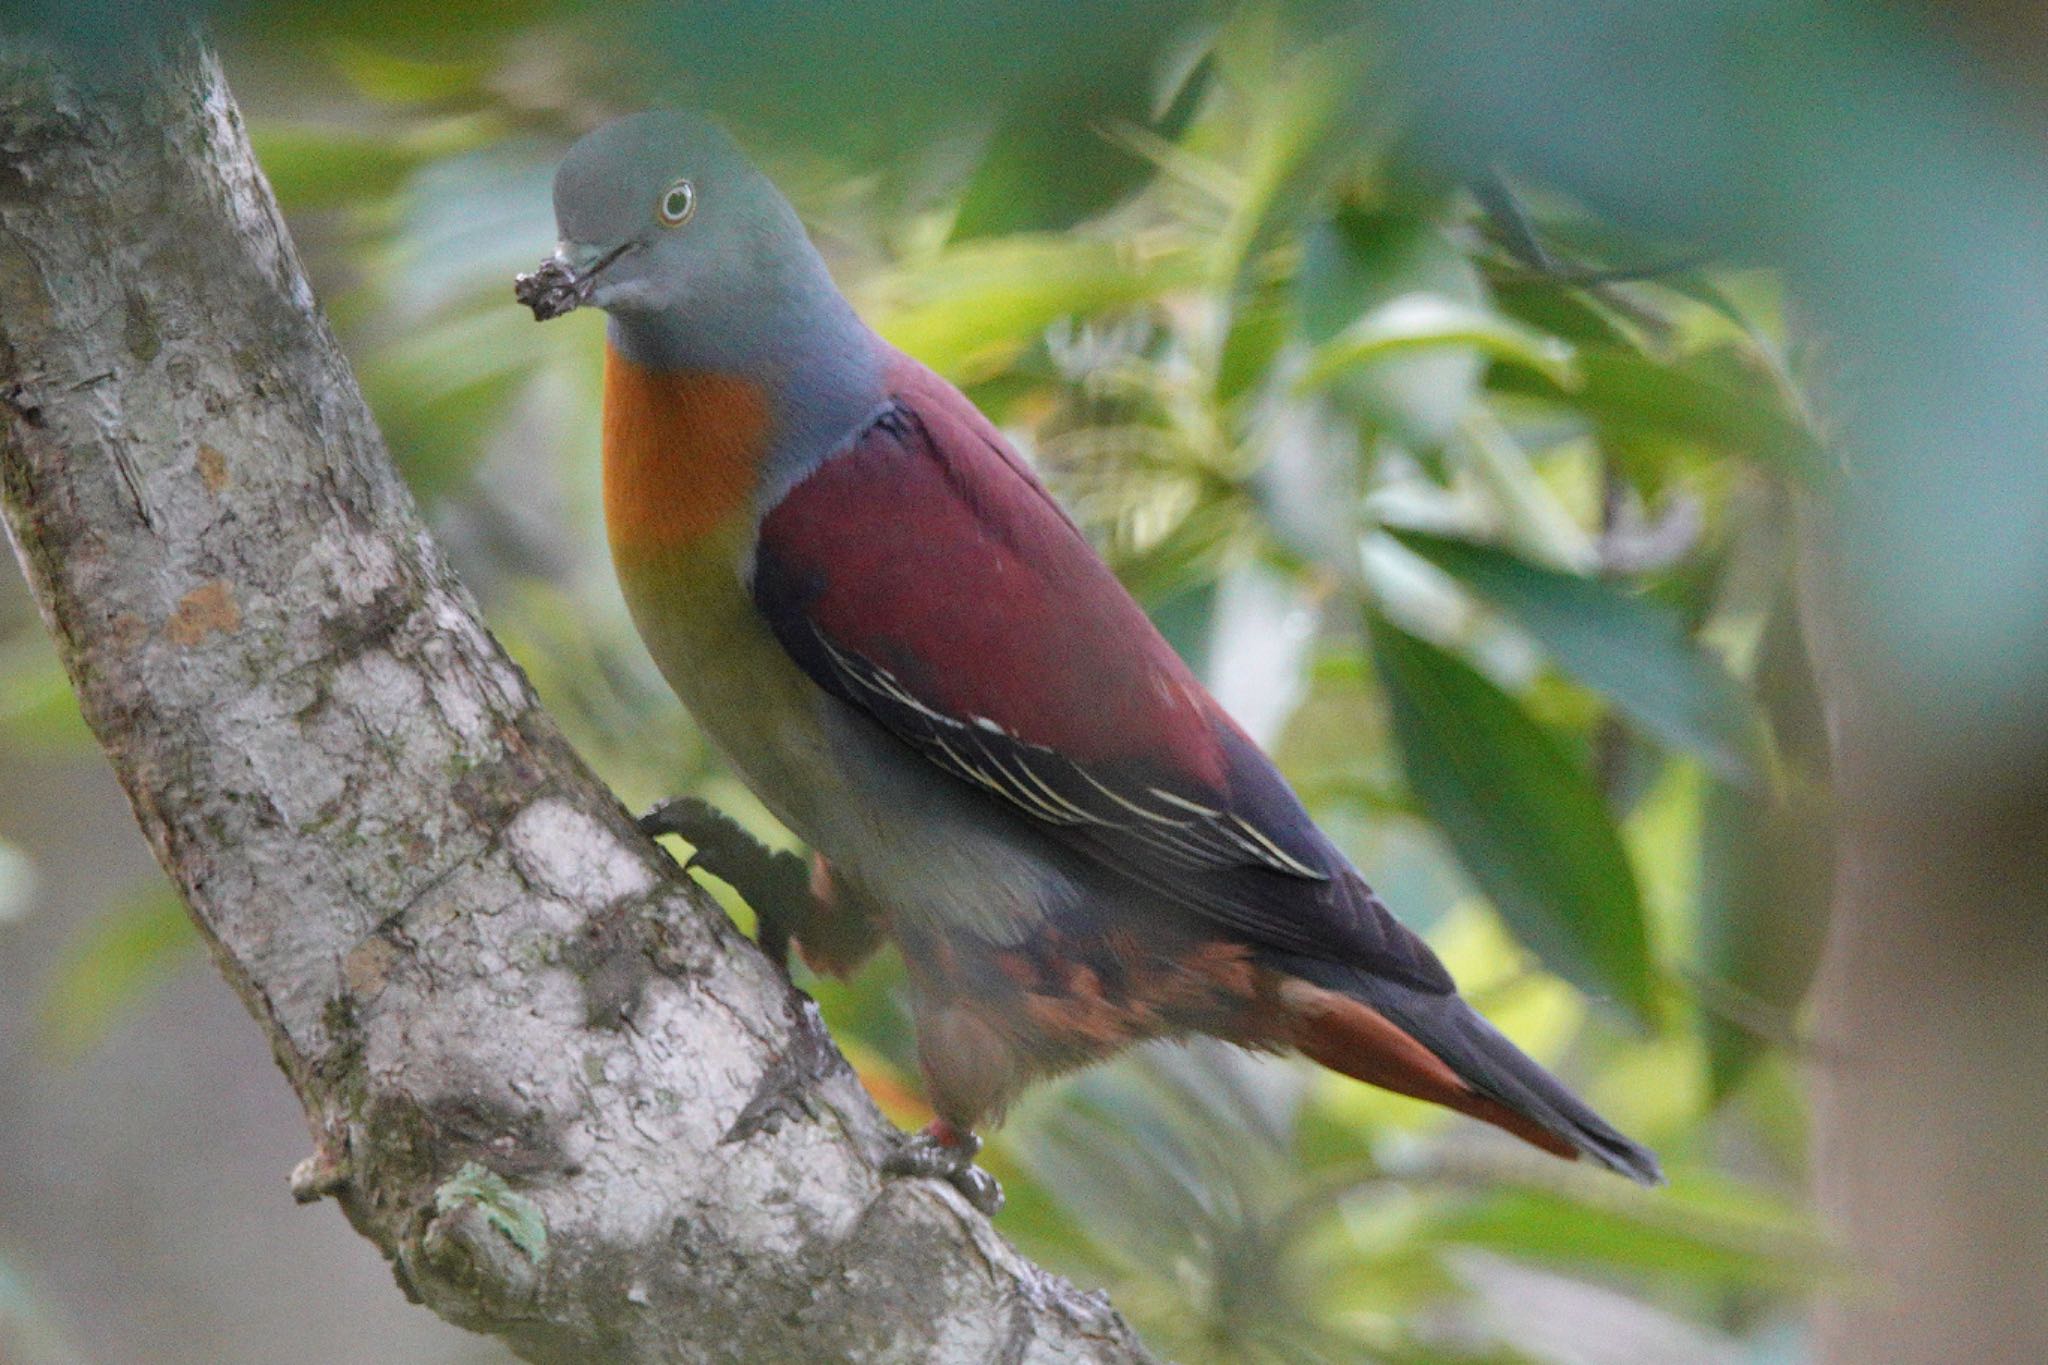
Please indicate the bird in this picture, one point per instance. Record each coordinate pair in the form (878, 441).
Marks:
(883, 621)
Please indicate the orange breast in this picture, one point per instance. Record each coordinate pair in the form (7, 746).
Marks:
(681, 450)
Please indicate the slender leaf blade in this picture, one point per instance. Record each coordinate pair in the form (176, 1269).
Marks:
(1764, 878)
(1628, 649)
(1525, 819)
(1420, 322)
(1357, 260)
(1703, 1229)
(1710, 398)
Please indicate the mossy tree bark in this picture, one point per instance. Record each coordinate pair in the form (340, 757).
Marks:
(545, 1076)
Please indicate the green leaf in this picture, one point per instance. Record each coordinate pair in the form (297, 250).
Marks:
(37, 706)
(1711, 398)
(1188, 555)
(1557, 309)
(970, 309)
(1627, 648)
(1261, 317)
(328, 168)
(112, 966)
(310, 166)
(1358, 260)
(1788, 691)
(1010, 191)
(1415, 323)
(1765, 873)
(387, 77)
(1309, 131)
(1525, 819)
(1701, 1228)
(1533, 517)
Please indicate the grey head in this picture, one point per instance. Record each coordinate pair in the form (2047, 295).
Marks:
(667, 226)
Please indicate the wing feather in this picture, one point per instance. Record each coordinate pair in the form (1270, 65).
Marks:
(923, 575)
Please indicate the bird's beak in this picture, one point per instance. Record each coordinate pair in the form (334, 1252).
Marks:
(563, 282)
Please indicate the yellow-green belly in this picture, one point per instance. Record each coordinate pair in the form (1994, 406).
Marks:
(744, 692)
(682, 453)
(681, 459)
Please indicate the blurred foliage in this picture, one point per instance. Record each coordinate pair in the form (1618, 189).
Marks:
(111, 967)
(1483, 522)
(30, 1333)
(17, 882)
(38, 710)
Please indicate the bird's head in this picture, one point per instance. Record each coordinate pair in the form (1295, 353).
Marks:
(659, 214)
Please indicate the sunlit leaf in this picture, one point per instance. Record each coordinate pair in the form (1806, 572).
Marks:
(973, 307)
(398, 78)
(1297, 133)
(1355, 262)
(1700, 1228)
(1301, 134)
(1261, 317)
(1628, 649)
(1424, 322)
(1533, 517)
(1188, 555)
(1525, 819)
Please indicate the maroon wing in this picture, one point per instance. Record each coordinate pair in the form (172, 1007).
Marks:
(925, 576)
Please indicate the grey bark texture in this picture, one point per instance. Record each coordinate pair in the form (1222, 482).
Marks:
(567, 1099)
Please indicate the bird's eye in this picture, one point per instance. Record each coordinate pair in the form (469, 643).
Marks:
(678, 202)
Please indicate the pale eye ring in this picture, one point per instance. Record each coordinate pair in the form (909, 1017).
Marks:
(678, 202)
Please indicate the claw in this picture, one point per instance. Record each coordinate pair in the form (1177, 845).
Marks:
(776, 884)
(943, 1153)
(978, 1188)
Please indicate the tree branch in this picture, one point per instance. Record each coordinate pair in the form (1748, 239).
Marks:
(522, 1038)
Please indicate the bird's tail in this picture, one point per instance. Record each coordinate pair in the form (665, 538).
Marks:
(1436, 1047)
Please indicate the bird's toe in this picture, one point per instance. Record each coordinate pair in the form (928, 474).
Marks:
(948, 1157)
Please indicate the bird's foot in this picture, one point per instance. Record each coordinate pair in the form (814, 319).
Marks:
(776, 883)
(943, 1152)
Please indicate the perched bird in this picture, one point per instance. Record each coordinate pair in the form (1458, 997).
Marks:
(896, 637)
